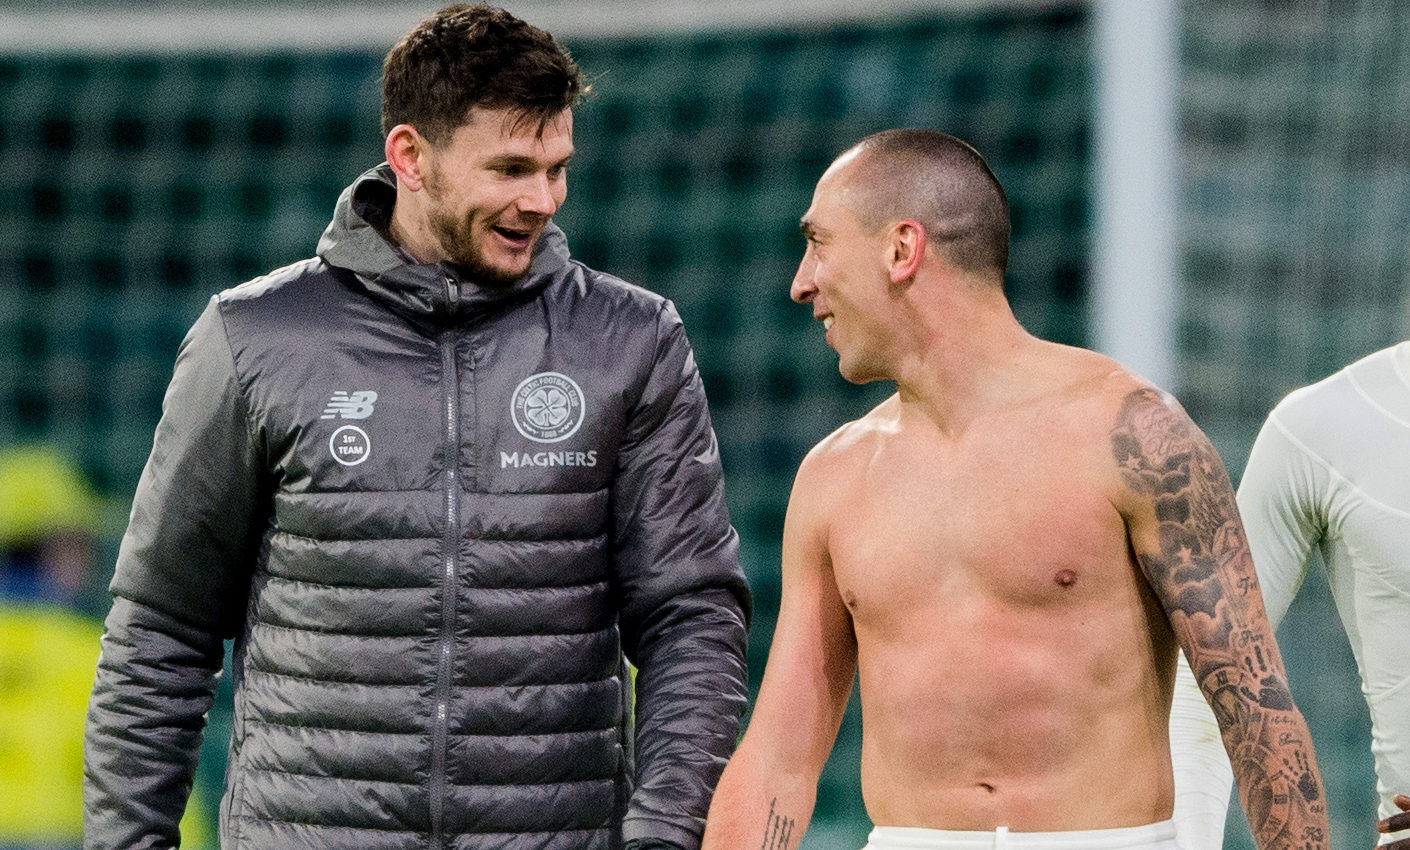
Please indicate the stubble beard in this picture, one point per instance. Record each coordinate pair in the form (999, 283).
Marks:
(458, 243)
(456, 235)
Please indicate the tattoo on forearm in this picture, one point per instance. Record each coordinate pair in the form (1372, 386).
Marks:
(1203, 575)
(778, 830)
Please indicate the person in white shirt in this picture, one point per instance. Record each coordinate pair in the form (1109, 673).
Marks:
(1330, 471)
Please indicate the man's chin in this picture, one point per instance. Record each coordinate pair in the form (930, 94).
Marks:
(493, 276)
(855, 373)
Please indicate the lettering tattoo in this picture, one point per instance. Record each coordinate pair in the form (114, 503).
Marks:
(1205, 580)
(778, 830)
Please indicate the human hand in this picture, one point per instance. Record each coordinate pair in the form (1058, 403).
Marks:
(1395, 823)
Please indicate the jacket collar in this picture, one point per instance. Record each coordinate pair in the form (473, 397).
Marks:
(357, 240)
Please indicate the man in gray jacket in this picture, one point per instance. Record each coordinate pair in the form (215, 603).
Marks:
(439, 483)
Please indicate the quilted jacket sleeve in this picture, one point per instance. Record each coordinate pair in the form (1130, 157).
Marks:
(179, 590)
(684, 600)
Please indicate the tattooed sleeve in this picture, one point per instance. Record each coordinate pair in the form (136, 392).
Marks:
(1203, 575)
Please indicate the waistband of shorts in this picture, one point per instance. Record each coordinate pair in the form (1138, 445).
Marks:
(1122, 838)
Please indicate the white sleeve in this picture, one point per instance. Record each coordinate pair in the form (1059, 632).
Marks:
(1203, 776)
(1280, 503)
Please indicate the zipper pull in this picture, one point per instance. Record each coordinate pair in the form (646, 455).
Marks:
(452, 292)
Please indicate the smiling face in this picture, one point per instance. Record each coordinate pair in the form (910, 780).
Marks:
(843, 276)
(489, 191)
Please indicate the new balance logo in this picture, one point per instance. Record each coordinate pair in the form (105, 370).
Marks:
(345, 405)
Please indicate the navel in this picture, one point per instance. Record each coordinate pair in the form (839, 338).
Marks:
(1065, 578)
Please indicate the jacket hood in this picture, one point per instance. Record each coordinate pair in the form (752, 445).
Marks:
(356, 240)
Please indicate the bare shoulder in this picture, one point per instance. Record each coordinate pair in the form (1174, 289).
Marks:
(1099, 383)
(1098, 392)
(848, 447)
(841, 458)
(1140, 434)
(1149, 429)
(1110, 396)
(1161, 458)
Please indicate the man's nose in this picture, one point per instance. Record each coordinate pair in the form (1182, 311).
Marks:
(804, 289)
(539, 197)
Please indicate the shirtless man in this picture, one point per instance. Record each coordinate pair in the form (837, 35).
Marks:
(1009, 552)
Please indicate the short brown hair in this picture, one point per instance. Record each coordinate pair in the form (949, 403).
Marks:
(466, 56)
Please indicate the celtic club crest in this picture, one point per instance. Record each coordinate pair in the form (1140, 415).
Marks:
(547, 407)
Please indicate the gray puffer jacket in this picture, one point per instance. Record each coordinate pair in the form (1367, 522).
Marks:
(436, 519)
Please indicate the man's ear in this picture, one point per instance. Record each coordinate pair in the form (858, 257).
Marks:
(406, 152)
(905, 249)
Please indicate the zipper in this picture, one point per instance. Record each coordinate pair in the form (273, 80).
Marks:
(450, 544)
(452, 293)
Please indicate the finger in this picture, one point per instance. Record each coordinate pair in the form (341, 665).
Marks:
(1402, 844)
(1394, 823)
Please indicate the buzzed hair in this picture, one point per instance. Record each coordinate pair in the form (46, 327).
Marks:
(941, 182)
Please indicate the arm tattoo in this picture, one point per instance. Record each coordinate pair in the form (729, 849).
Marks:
(1204, 577)
(778, 830)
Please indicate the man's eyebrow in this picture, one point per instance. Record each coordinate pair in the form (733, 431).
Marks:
(807, 227)
(522, 160)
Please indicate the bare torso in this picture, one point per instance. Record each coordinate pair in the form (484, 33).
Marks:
(1015, 668)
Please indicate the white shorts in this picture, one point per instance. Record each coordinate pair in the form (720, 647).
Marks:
(1155, 836)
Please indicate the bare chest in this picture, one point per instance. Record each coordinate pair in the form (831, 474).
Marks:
(1014, 530)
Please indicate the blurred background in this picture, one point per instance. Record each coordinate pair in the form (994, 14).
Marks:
(1215, 191)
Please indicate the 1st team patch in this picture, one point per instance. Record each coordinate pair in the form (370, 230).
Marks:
(350, 445)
